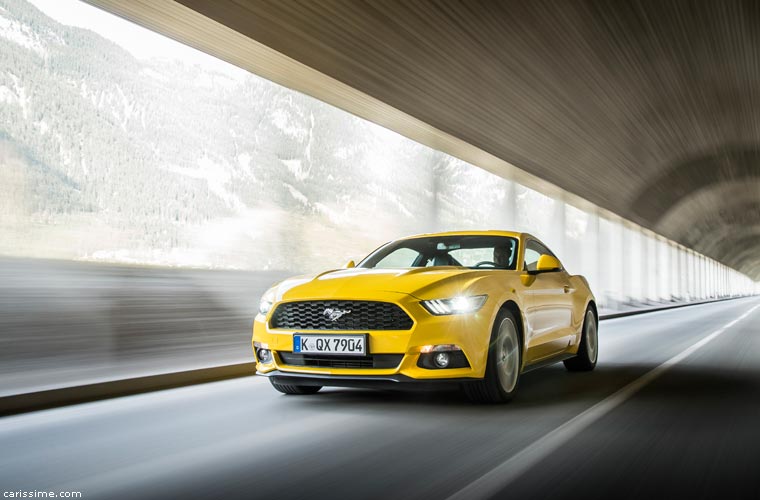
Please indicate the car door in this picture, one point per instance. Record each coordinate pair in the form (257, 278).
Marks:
(548, 306)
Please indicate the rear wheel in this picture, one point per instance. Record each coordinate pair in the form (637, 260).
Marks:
(588, 351)
(503, 366)
(295, 389)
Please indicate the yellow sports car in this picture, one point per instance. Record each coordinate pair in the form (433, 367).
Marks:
(475, 309)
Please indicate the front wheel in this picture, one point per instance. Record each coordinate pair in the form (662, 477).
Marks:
(295, 389)
(503, 366)
(588, 351)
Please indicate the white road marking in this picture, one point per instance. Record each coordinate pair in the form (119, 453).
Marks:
(497, 479)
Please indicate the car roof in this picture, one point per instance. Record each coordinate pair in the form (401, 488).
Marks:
(490, 232)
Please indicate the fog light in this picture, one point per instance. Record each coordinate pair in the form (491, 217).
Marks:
(442, 359)
(265, 355)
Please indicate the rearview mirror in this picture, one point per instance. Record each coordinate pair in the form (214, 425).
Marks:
(547, 263)
(350, 264)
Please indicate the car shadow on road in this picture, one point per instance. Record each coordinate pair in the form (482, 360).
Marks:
(554, 386)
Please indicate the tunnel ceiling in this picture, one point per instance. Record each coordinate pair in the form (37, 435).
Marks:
(650, 109)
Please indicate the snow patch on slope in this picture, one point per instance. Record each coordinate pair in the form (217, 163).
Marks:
(22, 35)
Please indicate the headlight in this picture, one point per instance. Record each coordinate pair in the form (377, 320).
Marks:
(455, 305)
(265, 304)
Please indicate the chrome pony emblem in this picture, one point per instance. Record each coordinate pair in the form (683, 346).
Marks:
(335, 314)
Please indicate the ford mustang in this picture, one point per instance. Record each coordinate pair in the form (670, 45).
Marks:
(473, 309)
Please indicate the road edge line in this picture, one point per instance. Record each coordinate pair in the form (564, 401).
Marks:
(497, 479)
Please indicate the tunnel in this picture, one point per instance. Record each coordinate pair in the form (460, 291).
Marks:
(197, 199)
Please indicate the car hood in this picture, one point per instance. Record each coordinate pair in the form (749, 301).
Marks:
(423, 282)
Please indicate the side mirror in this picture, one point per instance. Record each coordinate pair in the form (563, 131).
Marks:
(350, 264)
(547, 263)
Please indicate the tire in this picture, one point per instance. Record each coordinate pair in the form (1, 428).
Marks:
(588, 351)
(503, 365)
(296, 389)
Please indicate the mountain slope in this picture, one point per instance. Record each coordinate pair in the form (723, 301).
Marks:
(157, 161)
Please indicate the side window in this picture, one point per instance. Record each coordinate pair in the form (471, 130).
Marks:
(532, 253)
(402, 257)
(534, 250)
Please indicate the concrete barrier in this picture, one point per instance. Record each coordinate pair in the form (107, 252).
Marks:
(73, 324)
(41, 400)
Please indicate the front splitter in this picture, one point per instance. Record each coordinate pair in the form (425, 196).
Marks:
(392, 382)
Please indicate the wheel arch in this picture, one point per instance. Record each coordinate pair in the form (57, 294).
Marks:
(512, 307)
(592, 305)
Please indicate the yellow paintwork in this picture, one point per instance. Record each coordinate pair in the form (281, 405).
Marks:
(548, 263)
(551, 304)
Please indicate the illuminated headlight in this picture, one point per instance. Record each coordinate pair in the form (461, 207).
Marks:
(265, 305)
(455, 305)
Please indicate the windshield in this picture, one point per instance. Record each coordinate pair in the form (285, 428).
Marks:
(475, 252)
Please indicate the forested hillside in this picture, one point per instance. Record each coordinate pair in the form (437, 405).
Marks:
(107, 157)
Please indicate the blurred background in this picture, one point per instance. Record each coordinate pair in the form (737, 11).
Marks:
(149, 193)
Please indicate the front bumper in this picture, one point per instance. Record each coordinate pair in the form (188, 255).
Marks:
(471, 332)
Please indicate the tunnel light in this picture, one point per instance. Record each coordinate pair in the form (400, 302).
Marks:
(455, 305)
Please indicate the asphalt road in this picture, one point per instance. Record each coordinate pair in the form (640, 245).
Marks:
(672, 411)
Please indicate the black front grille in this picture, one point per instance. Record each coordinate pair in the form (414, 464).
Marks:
(357, 315)
(332, 361)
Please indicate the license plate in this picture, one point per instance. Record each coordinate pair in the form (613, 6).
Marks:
(330, 344)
